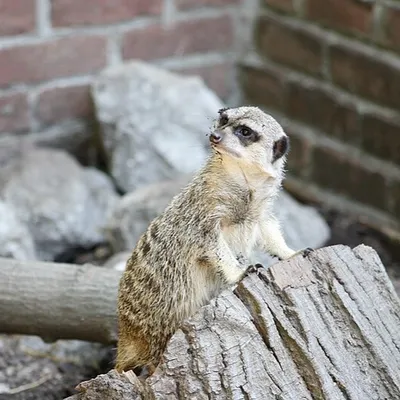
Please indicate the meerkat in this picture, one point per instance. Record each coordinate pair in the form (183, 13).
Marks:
(191, 251)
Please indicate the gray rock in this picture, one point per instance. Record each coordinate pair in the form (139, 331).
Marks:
(49, 370)
(154, 122)
(75, 137)
(302, 225)
(15, 239)
(63, 205)
(137, 209)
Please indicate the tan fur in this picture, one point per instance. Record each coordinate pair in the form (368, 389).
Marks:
(190, 252)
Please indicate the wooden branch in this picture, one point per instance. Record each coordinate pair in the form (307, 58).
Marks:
(58, 301)
(325, 327)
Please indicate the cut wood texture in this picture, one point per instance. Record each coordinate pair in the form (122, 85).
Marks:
(58, 301)
(322, 327)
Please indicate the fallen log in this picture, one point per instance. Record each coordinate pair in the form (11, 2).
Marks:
(322, 327)
(58, 301)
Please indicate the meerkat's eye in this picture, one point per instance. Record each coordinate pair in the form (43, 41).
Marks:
(244, 131)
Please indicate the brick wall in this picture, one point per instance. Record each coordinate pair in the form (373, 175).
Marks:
(330, 71)
(50, 50)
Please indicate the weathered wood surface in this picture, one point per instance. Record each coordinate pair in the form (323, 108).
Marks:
(58, 301)
(325, 327)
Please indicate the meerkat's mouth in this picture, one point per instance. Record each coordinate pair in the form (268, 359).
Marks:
(223, 150)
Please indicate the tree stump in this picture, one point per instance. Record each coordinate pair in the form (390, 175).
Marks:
(322, 327)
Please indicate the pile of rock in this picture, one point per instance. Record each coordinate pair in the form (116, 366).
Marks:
(153, 127)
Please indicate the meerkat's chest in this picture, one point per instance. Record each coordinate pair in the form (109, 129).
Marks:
(241, 238)
(244, 214)
(242, 233)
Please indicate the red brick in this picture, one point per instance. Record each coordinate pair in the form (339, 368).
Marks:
(371, 77)
(218, 77)
(381, 137)
(298, 160)
(60, 103)
(263, 87)
(348, 177)
(186, 37)
(280, 5)
(14, 112)
(395, 199)
(17, 17)
(54, 59)
(392, 28)
(285, 44)
(185, 4)
(344, 15)
(324, 111)
(89, 12)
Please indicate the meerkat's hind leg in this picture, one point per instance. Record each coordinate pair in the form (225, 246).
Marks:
(132, 351)
(143, 372)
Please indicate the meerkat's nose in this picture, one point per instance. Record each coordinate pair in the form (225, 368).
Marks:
(215, 137)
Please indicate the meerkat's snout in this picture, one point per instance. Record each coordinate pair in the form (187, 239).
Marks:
(215, 137)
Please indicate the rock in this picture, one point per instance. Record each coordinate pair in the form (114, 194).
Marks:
(118, 261)
(63, 205)
(15, 240)
(137, 209)
(153, 122)
(75, 137)
(53, 369)
(302, 225)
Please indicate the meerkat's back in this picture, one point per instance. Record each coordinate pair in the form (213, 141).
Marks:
(166, 279)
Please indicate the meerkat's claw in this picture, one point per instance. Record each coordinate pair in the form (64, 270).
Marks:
(304, 252)
(256, 268)
(307, 251)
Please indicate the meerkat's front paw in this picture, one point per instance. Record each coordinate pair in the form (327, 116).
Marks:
(304, 252)
(307, 251)
(256, 268)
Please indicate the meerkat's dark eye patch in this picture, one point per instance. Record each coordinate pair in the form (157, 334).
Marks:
(281, 147)
(246, 135)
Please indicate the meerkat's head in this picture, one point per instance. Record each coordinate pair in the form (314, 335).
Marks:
(250, 136)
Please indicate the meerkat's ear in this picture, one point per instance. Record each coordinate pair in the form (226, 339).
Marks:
(222, 110)
(281, 147)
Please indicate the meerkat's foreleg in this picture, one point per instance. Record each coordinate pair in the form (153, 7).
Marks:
(227, 264)
(273, 242)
